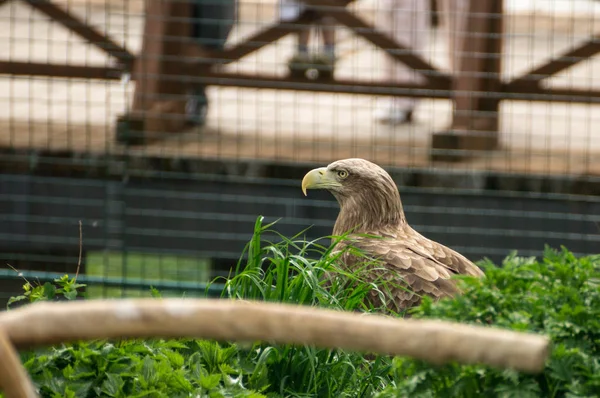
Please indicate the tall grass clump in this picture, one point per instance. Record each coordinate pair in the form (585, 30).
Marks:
(301, 272)
(293, 270)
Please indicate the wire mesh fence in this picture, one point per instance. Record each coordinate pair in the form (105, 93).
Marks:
(167, 127)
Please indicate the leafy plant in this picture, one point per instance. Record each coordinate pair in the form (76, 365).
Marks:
(558, 296)
(62, 288)
(155, 368)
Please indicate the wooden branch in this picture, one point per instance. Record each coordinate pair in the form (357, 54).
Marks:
(14, 380)
(434, 341)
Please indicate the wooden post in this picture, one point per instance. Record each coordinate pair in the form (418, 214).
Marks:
(159, 99)
(14, 380)
(476, 86)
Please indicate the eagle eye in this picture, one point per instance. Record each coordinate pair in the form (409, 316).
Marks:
(342, 173)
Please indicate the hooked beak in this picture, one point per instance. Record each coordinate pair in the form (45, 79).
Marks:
(319, 178)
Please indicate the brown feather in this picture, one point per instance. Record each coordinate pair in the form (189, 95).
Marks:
(409, 265)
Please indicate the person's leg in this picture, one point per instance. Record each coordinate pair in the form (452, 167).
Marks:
(212, 24)
(324, 60)
(288, 11)
(328, 35)
(303, 39)
(300, 61)
(408, 22)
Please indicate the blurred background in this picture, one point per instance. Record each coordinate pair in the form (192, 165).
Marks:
(166, 127)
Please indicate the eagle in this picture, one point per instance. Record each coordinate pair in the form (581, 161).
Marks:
(371, 215)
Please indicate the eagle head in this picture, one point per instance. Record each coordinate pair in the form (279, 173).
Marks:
(367, 195)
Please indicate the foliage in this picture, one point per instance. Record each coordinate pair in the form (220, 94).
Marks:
(64, 288)
(294, 271)
(155, 368)
(559, 296)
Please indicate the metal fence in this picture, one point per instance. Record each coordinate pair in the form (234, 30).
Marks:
(167, 126)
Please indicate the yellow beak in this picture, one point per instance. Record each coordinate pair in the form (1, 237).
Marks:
(317, 179)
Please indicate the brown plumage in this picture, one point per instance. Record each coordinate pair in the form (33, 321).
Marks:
(408, 264)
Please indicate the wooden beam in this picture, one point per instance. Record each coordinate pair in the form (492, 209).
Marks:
(520, 91)
(89, 33)
(55, 70)
(508, 91)
(432, 90)
(165, 38)
(389, 88)
(159, 99)
(479, 72)
(202, 57)
(560, 63)
(267, 36)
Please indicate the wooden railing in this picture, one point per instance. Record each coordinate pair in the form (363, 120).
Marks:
(170, 61)
(437, 342)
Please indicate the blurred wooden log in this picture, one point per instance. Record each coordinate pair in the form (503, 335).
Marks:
(434, 341)
(14, 380)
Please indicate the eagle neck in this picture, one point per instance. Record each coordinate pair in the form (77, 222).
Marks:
(371, 211)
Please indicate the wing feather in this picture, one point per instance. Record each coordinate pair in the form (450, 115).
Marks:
(403, 273)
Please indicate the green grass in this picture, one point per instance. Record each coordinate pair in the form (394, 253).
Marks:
(148, 267)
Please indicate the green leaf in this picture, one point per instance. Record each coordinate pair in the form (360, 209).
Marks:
(210, 381)
(148, 371)
(70, 295)
(174, 358)
(154, 292)
(49, 290)
(68, 372)
(113, 385)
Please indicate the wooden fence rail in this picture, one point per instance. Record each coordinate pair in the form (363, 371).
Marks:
(229, 320)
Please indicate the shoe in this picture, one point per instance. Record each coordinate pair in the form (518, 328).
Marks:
(324, 64)
(196, 108)
(393, 115)
(299, 64)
